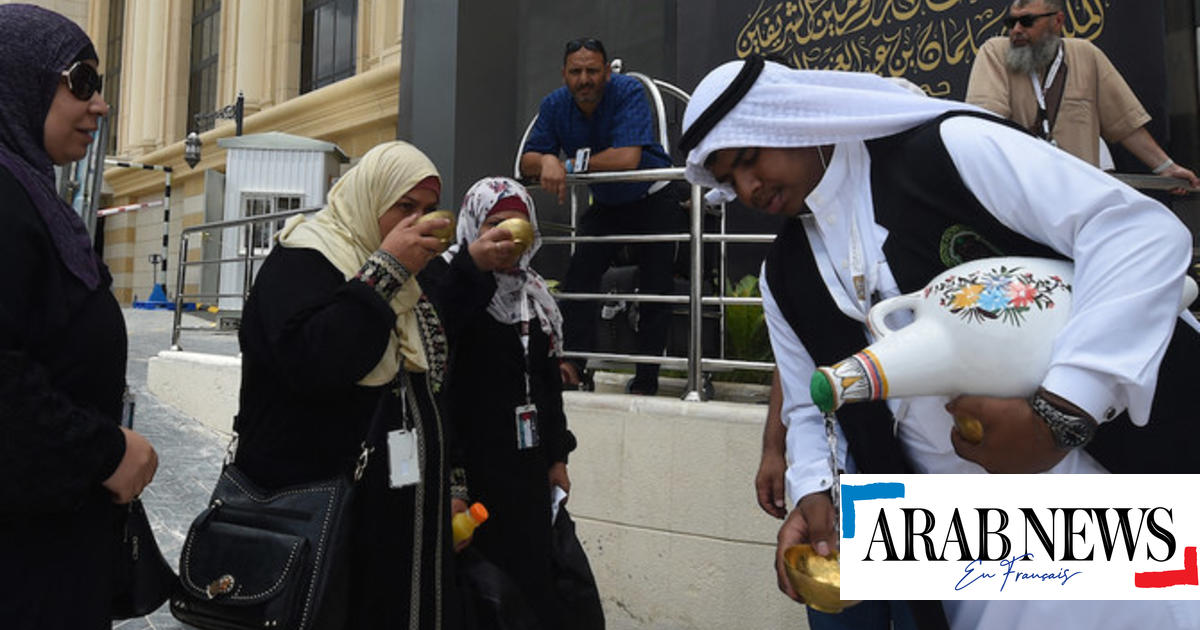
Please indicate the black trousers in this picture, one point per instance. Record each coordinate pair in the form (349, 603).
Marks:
(655, 214)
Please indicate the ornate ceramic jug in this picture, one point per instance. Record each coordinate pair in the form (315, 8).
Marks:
(984, 327)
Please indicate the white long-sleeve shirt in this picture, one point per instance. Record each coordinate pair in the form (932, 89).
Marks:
(1130, 256)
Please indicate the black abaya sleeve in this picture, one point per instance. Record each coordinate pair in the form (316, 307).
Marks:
(458, 289)
(53, 451)
(324, 332)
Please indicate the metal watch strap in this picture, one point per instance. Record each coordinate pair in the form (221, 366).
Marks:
(1069, 430)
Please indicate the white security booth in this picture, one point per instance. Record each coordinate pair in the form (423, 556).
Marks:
(267, 173)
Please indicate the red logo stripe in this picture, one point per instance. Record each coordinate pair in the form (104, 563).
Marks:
(1187, 576)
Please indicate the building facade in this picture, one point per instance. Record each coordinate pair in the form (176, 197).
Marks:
(322, 69)
(74, 10)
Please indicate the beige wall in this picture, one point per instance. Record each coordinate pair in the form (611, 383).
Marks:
(260, 55)
(76, 10)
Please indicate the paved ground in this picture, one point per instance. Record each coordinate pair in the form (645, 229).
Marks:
(189, 453)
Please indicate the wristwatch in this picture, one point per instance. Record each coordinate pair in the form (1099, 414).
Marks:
(1069, 430)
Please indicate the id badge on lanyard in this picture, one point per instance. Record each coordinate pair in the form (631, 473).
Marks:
(527, 431)
(525, 416)
(404, 453)
(1039, 92)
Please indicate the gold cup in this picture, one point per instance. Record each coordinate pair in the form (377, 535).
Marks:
(818, 579)
(522, 233)
(446, 234)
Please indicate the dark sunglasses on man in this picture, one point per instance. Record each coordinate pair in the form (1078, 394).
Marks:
(589, 43)
(1025, 20)
(82, 80)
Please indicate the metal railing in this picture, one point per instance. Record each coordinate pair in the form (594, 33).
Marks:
(695, 363)
(247, 259)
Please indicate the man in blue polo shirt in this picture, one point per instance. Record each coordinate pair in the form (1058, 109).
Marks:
(609, 115)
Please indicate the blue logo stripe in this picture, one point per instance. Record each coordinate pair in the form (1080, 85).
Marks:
(850, 494)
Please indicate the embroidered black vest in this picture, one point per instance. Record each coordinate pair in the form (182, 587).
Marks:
(934, 222)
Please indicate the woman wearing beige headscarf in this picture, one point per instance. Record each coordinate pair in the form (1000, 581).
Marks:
(336, 330)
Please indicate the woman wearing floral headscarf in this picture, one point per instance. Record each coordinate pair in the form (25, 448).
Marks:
(337, 329)
(64, 458)
(504, 391)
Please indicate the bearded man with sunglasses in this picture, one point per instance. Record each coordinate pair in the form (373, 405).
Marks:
(1063, 90)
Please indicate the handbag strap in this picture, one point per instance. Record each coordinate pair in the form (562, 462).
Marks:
(400, 385)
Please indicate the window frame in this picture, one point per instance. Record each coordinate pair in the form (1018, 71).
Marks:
(260, 237)
(342, 41)
(113, 50)
(202, 71)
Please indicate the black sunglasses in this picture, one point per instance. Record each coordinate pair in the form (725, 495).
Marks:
(82, 80)
(590, 43)
(1025, 20)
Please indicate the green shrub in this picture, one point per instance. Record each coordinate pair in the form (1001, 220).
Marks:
(745, 324)
(746, 333)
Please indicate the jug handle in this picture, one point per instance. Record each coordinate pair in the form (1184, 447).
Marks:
(879, 312)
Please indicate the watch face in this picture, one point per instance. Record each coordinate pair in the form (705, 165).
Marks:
(1072, 433)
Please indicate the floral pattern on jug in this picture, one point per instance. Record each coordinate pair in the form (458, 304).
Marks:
(1007, 294)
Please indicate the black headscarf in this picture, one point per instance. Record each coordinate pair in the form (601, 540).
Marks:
(36, 45)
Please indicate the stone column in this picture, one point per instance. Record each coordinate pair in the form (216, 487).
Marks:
(380, 26)
(253, 54)
(283, 71)
(149, 76)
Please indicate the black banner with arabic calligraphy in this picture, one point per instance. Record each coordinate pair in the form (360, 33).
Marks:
(929, 42)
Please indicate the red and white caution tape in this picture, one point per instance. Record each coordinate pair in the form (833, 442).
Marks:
(104, 212)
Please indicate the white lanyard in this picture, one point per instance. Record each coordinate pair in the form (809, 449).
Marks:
(858, 265)
(523, 328)
(825, 267)
(1039, 91)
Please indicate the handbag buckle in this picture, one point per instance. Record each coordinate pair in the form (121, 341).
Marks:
(230, 450)
(361, 465)
(220, 586)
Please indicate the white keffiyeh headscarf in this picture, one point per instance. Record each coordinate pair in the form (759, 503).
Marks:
(802, 108)
(505, 306)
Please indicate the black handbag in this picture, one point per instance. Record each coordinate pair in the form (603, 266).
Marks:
(575, 590)
(271, 559)
(259, 559)
(490, 599)
(142, 579)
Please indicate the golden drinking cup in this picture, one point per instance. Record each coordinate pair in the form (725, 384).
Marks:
(446, 234)
(817, 579)
(522, 233)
